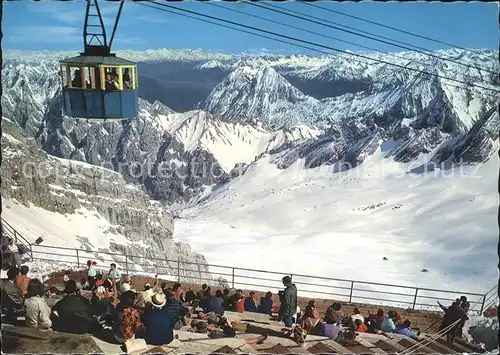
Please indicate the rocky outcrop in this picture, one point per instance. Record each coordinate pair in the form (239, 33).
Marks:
(475, 146)
(29, 175)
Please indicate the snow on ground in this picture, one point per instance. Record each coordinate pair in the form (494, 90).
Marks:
(314, 222)
(83, 230)
(483, 330)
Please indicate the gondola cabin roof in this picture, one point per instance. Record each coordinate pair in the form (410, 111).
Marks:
(85, 60)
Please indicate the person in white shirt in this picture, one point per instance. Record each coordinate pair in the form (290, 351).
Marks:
(357, 315)
(37, 312)
(91, 274)
(114, 273)
(126, 284)
(15, 256)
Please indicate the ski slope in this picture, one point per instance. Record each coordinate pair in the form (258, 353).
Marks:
(342, 225)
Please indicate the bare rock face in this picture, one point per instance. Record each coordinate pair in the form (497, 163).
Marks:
(29, 175)
(475, 146)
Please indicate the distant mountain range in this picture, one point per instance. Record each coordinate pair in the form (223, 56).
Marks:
(211, 115)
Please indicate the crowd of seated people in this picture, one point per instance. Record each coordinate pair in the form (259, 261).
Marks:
(153, 311)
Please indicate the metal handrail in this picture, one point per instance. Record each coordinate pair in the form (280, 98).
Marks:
(184, 270)
(484, 298)
(13, 233)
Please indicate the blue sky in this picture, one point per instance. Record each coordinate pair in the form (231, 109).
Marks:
(54, 25)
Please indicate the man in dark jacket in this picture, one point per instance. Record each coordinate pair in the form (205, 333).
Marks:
(158, 322)
(465, 305)
(201, 293)
(288, 299)
(12, 295)
(73, 314)
(212, 304)
(452, 314)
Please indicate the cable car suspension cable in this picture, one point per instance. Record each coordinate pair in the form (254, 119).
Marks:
(348, 29)
(326, 36)
(116, 23)
(385, 26)
(321, 46)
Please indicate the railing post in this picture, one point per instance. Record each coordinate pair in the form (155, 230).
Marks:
(178, 270)
(126, 264)
(31, 251)
(77, 258)
(232, 283)
(352, 289)
(482, 305)
(415, 299)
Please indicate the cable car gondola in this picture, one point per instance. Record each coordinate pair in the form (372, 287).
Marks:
(98, 85)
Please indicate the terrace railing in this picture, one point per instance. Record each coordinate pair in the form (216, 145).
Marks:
(351, 291)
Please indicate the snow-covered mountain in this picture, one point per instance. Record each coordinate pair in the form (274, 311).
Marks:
(265, 105)
(262, 134)
(260, 95)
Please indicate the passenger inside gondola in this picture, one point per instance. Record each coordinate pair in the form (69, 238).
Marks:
(77, 80)
(97, 79)
(127, 83)
(112, 81)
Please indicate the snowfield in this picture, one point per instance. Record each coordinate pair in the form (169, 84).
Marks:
(84, 230)
(342, 225)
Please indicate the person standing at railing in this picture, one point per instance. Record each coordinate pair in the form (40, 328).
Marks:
(15, 255)
(92, 273)
(451, 315)
(114, 273)
(288, 300)
(465, 306)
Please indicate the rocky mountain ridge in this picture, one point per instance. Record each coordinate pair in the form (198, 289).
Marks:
(256, 110)
(31, 177)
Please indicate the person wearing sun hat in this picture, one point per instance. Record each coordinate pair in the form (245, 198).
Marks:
(159, 324)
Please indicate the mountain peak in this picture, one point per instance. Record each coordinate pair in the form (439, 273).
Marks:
(255, 95)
